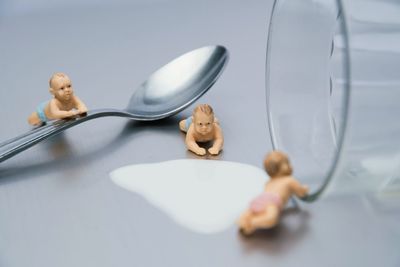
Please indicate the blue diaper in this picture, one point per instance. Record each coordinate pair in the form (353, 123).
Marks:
(40, 112)
(188, 122)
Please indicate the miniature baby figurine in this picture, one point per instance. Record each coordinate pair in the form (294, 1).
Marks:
(64, 104)
(202, 126)
(264, 211)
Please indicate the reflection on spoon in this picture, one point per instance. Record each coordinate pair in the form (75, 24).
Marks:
(165, 93)
(205, 196)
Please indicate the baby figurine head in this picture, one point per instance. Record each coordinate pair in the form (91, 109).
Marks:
(61, 87)
(203, 119)
(277, 164)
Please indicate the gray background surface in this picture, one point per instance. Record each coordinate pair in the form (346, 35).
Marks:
(58, 206)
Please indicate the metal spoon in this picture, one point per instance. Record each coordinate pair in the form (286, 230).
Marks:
(166, 92)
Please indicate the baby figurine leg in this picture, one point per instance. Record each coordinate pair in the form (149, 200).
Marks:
(182, 126)
(267, 219)
(244, 222)
(34, 119)
(38, 117)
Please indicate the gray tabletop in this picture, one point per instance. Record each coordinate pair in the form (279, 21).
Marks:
(58, 206)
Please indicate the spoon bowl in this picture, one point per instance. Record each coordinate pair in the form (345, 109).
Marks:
(166, 92)
(178, 84)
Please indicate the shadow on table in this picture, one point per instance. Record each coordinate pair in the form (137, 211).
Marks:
(62, 153)
(291, 229)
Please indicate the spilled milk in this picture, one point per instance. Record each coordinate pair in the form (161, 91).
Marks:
(205, 196)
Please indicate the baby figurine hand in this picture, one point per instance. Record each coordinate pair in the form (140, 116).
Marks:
(200, 151)
(83, 111)
(213, 151)
(74, 112)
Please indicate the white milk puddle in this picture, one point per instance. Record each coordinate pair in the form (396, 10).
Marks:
(205, 196)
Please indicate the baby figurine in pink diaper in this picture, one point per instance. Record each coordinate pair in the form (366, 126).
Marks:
(264, 211)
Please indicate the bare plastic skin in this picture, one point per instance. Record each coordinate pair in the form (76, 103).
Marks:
(264, 211)
(63, 105)
(202, 127)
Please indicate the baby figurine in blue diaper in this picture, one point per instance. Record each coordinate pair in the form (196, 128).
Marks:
(202, 126)
(63, 105)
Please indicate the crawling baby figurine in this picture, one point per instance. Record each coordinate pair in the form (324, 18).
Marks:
(64, 104)
(202, 126)
(264, 211)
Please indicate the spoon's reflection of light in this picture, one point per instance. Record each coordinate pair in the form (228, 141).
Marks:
(205, 196)
(178, 75)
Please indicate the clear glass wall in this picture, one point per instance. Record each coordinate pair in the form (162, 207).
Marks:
(333, 92)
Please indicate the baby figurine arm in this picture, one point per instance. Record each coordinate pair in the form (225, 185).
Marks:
(56, 113)
(218, 141)
(79, 105)
(298, 189)
(191, 143)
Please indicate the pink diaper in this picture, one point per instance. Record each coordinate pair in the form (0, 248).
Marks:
(266, 198)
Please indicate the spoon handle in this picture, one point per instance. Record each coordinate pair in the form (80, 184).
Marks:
(20, 143)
